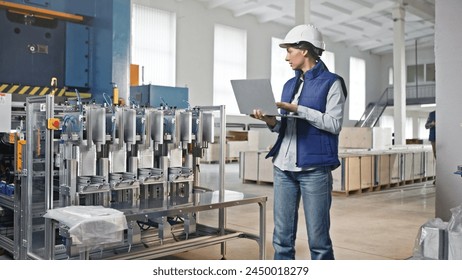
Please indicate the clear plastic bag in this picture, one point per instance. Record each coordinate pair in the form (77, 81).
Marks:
(431, 241)
(91, 226)
(455, 234)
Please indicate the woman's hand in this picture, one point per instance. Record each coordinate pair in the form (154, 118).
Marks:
(270, 120)
(287, 106)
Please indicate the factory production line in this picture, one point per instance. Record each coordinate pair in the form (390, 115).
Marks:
(141, 182)
(94, 179)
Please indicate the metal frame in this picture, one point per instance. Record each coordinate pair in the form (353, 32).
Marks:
(32, 209)
(28, 211)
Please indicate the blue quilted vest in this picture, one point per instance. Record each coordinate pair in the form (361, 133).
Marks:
(315, 147)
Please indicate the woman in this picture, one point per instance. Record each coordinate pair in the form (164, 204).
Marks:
(306, 150)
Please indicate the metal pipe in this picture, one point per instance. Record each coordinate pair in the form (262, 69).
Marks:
(221, 191)
(262, 230)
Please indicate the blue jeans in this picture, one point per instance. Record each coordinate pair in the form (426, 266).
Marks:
(314, 187)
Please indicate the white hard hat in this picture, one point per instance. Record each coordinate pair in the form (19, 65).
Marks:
(303, 33)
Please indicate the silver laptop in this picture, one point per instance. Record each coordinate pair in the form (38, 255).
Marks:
(256, 94)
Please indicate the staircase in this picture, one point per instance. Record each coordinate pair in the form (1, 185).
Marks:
(415, 95)
(373, 111)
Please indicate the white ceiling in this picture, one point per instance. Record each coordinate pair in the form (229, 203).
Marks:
(365, 24)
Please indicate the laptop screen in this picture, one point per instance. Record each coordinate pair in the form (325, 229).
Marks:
(254, 94)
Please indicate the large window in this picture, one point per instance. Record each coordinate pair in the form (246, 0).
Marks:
(154, 44)
(229, 62)
(409, 129)
(415, 73)
(357, 92)
(423, 132)
(422, 73)
(280, 68)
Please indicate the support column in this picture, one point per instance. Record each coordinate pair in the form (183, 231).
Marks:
(399, 72)
(302, 11)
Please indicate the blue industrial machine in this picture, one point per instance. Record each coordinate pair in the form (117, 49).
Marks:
(66, 45)
(156, 96)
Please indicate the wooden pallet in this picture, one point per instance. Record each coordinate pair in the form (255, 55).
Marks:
(396, 184)
(347, 192)
(378, 188)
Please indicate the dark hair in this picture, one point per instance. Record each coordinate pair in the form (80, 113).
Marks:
(313, 52)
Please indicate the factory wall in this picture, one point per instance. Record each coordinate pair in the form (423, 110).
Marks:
(425, 55)
(195, 27)
(448, 99)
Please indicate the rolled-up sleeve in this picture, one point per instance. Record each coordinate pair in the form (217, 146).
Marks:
(332, 119)
(277, 127)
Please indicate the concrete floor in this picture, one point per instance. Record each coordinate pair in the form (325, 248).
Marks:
(381, 225)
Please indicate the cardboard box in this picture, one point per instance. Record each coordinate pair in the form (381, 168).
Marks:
(383, 169)
(429, 164)
(414, 141)
(365, 138)
(395, 168)
(256, 167)
(265, 168)
(250, 166)
(356, 172)
(419, 165)
(408, 169)
(233, 135)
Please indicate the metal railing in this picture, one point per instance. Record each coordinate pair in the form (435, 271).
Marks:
(422, 94)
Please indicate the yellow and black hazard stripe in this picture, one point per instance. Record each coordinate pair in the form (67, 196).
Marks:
(38, 91)
(31, 90)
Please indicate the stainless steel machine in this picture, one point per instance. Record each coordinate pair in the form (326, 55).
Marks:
(140, 168)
